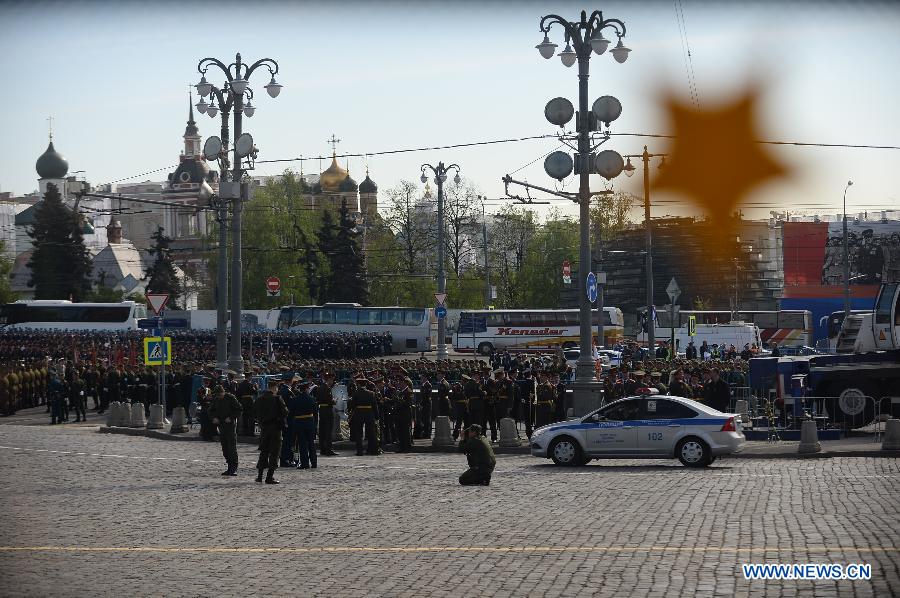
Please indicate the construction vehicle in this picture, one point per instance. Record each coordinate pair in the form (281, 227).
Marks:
(857, 383)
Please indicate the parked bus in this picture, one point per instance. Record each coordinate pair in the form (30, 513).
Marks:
(410, 327)
(530, 329)
(787, 327)
(65, 315)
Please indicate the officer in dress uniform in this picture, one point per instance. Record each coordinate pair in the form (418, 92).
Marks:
(305, 413)
(445, 406)
(423, 411)
(225, 411)
(403, 415)
(271, 413)
(325, 402)
(363, 405)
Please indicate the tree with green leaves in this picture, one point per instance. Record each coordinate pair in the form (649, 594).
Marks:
(511, 233)
(6, 293)
(103, 293)
(60, 263)
(162, 274)
(541, 274)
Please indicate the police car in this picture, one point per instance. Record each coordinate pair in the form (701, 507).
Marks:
(647, 426)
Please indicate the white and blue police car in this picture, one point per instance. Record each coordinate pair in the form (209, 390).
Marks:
(649, 426)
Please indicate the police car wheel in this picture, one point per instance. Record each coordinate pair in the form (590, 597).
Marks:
(566, 451)
(693, 452)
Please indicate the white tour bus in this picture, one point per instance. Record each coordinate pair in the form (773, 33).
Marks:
(530, 329)
(410, 327)
(65, 315)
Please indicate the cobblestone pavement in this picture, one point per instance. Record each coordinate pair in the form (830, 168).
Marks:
(106, 515)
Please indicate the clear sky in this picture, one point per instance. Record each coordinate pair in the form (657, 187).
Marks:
(392, 75)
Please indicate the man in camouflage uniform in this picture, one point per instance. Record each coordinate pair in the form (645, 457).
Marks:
(225, 411)
(480, 456)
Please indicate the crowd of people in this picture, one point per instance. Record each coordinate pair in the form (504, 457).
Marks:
(64, 372)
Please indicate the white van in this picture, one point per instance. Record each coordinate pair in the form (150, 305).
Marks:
(724, 335)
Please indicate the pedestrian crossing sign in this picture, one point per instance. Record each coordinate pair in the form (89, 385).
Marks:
(157, 350)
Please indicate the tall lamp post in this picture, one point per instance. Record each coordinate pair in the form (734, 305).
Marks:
(846, 258)
(237, 75)
(583, 37)
(440, 176)
(629, 170)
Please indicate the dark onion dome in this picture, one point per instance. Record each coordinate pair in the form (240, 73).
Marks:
(348, 185)
(368, 185)
(51, 164)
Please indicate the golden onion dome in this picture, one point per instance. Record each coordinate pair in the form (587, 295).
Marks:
(332, 178)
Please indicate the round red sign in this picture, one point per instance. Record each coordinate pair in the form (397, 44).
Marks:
(273, 283)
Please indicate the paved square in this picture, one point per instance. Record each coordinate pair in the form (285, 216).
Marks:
(95, 514)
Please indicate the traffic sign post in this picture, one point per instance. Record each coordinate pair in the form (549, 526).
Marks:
(440, 298)
(592, 287)
(273, 286)
(674, 291)
(692, 325)
(440, 312)
(567, 272)
(157, 350)
(157, 302)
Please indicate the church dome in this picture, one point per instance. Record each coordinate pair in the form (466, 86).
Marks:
(348, 185)
(51, 164)
(332, 178)
(368, 185)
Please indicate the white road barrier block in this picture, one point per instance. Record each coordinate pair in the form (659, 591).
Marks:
(891, 440)
(157, 418)
(742, 408)
(508, 436)
(178, 421)
(112, 415)
(123, 419)
(137, 415)
(442, 436)
(809, 438)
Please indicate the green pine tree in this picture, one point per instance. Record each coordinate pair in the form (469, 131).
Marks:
(60, 264)
(322, 264)
(162, 275)
(348, 270)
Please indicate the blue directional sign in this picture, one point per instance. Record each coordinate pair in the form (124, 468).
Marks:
(440, 312)
(591, 287)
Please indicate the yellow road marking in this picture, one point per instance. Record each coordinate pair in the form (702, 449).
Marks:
(474, 549)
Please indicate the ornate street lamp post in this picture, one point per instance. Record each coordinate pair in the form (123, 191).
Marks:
(440, 176)
(583, 37)
(231, 98)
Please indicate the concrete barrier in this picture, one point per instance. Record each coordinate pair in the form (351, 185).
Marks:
(157, 418)
(112, 414)
(508, 435)
(336, 426)
(137, 416)
(178, 421)
(442, 436)
(742, 408)
(123, 415)
(809, 438)
(891, 441)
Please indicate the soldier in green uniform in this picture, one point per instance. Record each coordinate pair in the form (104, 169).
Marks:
(543, 407)
(403, 415)
(480, 455)
(475, 396)
(246, 390)
(225, 411)
(271, 413)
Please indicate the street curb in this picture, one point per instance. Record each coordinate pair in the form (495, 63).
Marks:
(346, 445)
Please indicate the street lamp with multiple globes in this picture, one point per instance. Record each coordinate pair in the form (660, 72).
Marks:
(582, 38)
(440, 177)
(230, 97)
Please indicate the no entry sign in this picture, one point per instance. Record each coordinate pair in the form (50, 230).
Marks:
(273, 286)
